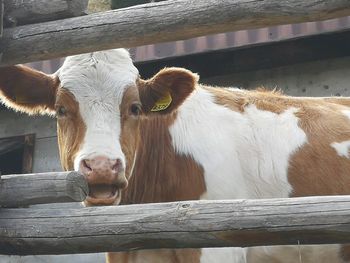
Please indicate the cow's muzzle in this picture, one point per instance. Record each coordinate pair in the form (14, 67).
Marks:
(106, 178)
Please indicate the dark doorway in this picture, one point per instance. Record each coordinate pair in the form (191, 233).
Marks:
(16, 154)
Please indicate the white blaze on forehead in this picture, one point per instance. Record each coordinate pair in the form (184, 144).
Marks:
(98, 81)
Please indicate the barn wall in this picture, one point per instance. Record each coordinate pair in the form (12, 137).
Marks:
(44, 128)
(323, 78)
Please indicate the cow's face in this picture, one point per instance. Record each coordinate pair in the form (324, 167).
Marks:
(99, 101)
(96, 106)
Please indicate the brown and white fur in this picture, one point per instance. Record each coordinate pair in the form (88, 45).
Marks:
(210, 143)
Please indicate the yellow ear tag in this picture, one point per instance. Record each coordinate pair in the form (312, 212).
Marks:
(162, 103)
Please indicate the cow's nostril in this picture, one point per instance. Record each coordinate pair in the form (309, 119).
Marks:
(86, 165)
(117, 166)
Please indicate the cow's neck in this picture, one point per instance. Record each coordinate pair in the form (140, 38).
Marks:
(161, 175)
(215, 147)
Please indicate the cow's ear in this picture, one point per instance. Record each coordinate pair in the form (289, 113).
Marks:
(167, 90)
(28, 90)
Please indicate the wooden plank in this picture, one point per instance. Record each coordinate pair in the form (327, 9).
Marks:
(157, 22)
(35, 11)
(29, 189)
(191, 224)
(274, 54)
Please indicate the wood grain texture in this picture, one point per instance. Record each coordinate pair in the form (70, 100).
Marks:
(157, 22)
(28, 189)
(35, 11)
(192, 224)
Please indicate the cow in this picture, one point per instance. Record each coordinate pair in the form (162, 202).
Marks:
(170, 138)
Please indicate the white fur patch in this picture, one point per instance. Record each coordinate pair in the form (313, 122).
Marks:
(244, 155)
(218, 255)
(346, 113)
(342, 148)
(98, 81)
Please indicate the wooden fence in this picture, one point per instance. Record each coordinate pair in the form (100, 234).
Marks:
(312, 220)
(26, 189)
(189, 224)
(156, 22)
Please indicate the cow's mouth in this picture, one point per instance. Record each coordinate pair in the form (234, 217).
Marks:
(103, 194)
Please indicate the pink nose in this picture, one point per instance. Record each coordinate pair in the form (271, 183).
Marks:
(102, 170)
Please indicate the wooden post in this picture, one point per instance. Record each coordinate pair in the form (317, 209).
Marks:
(28, 151)
(192, 224)
(35, 11)
(28, 189)
(157, 22)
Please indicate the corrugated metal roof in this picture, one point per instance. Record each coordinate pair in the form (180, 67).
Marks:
(237, 39)
(221, 41)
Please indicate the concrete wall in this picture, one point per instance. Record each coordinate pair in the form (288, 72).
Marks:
(45, 150)
(323, 78)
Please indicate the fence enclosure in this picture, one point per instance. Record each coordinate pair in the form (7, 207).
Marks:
(188, 224)
(191, 224)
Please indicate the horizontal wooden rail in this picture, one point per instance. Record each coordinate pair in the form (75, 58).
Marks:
(157, 22)
(28, 189)
(313, 220)
(34, 11)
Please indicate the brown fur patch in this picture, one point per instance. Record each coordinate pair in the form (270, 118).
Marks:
(27, 90)
(345, 252)
(130, 133)
(316, 168)
(161, 175)
(70, 128)
(235, 101)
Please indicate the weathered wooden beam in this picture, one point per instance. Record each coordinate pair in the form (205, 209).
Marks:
(157, 22)
(192, 224)
(35, 11)
(28, 189)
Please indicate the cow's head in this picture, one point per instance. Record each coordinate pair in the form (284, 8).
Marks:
(98, 100)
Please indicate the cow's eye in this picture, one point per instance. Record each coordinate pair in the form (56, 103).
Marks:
(61, 111)
(135, 109)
